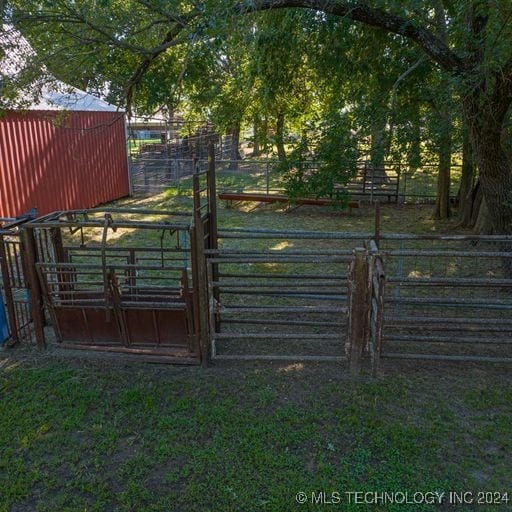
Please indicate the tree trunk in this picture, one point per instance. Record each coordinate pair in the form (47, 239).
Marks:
(281, 152)
(485, 120)
(467, 191)
(265, 138)
(496, 183)
(414, 149)
(442, 210)
(378, 145)
(235, 144)
(256, 141)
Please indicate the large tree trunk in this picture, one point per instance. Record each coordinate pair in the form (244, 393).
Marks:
(414, 149)
(467, 190)
(281, 152)
(442, 210)
(485, 120)
(264, 134)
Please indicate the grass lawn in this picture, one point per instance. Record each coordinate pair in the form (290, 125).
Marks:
(91, 433)
(94, 436)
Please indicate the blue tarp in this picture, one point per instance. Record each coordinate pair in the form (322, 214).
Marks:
(4, 328)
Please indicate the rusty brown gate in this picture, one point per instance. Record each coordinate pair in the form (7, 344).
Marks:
(125, 280)
(280, 294)
(14, 283)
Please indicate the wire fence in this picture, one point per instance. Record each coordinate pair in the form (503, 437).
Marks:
(153, 172)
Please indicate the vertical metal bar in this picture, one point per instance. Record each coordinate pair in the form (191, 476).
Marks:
(29, 250)
(212, 223)
(267, 178)
(212, 197)
(373, 183)
(377, 223)
(397, 192)
(405, 185)
(202, 293)
(212, 318)
(9, 298)
(380, 318)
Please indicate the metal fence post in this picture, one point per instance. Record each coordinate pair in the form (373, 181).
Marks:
(201, 286)
(29, 248)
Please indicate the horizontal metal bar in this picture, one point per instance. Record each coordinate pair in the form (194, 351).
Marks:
(445, 339)
(455, 254)
(451, 238)
(280, 309)
(281, 259)
(60, 268)
(273, 335)
(287, 236)
(446, 320)
(292, 294)
(284, 321)
(469, 328)
(282, 285)
(116, 224)
(438, 357)
(337, 277)
(77, 249)
(335, 235)
(448, 281)
(225, 252)
(266, 357)
(442, 301)
(101, 304)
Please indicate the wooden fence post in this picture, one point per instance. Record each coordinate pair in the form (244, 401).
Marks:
(358, 311)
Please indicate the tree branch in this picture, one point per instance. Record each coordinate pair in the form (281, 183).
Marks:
(360, 11)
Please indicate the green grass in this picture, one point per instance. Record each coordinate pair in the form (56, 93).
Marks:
(243, 438)
(135, 144)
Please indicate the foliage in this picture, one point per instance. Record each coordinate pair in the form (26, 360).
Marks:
(262, 60)
(334, 148)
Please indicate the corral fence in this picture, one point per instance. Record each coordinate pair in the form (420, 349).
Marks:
(366, 297)
(394, 182)
(447, 297)
(172, 287)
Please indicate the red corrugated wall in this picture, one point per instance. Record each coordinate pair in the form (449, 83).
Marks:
(61, 160)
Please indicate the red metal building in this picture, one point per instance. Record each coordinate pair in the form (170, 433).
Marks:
(66, 152)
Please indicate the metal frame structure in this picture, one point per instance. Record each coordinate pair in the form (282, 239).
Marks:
(146, 298)
(283, 301)
(190, 293)
(14, 282)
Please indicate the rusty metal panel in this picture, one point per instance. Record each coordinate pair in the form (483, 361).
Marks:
(61, 160)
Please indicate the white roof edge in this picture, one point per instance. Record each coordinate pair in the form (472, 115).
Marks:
(52, 93)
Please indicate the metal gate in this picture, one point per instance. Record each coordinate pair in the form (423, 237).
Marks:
(447, 298)
(279, 294)
(17, 323)
(115, 282)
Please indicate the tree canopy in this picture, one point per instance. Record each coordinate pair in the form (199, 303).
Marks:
(398, 68)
